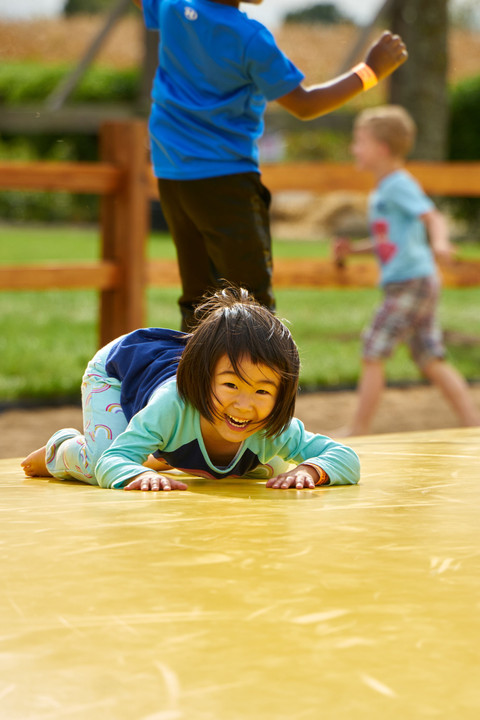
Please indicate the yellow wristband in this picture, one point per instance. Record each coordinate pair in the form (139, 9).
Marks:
(323, 477)
(366, 75)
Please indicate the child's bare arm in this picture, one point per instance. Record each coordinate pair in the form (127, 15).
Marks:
(342, 247)
(437, 230)
(306, 103)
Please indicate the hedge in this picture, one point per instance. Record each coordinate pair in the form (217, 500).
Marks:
(27, 83)
(23, 83)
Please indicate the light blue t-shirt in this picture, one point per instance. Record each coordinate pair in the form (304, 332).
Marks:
(400, 236)
(217, 70)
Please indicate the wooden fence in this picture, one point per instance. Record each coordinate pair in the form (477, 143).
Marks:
(125, 183)
(121, 180)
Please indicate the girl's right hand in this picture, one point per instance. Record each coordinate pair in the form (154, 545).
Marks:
(154, 481)
(386, 55)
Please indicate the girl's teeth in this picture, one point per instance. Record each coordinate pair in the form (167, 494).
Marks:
(235, 421)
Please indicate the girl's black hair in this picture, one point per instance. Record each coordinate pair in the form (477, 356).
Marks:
(232, 323)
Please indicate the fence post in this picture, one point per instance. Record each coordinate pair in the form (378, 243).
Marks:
(124, 220)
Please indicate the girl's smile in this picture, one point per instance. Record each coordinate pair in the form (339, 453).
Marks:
(243, 402)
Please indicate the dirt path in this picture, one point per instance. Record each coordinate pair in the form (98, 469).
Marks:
(409, 409)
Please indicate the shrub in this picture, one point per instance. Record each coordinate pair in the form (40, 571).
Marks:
(327, 13)
(27, 83)
(24, 83)
(318, 146)
(91, 7)
(75, 7)
(48, 206)
(464, 139)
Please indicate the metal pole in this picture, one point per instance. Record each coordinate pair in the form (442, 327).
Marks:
(58, 97)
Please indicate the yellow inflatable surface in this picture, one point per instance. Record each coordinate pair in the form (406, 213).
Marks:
(233, 602)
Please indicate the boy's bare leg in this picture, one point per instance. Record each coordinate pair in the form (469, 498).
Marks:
(369, 392)
(35, 464)
(455, 390)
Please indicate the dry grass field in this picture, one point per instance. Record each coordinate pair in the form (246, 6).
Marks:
(318, 50)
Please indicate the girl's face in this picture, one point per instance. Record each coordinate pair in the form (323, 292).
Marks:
(242, 404)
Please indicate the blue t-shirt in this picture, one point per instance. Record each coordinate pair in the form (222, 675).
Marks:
(400, 236)
(217, 70)
(143, 360)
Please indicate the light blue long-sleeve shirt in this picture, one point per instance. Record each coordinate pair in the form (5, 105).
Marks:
(170, 428)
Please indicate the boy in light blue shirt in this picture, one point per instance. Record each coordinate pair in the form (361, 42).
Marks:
(396, 209)
(407, 233)
(217, 70)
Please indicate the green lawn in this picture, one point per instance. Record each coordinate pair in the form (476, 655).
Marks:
(47, 337)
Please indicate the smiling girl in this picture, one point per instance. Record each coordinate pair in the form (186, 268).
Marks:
(215, 403)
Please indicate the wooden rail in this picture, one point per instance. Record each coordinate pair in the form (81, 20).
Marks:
(455, 179)
(102, 275)
(96, 178)
(450, 179)
(124, 181)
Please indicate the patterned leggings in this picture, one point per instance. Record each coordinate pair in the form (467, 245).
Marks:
(71, 455)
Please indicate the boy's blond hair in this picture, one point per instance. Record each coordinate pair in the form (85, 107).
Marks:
(392, 125)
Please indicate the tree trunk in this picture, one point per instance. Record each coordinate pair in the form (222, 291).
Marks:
(421, 84)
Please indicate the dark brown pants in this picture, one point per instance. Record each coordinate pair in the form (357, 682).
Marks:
(221, 230)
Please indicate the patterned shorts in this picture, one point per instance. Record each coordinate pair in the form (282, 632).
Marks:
(407, 314)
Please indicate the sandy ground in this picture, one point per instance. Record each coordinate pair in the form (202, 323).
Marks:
(406, 409)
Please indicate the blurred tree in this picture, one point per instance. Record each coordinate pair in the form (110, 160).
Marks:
(323, 13)
(74, 7)
(420, 85)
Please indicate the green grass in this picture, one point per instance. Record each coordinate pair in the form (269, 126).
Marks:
(38, 244)
(47, 337)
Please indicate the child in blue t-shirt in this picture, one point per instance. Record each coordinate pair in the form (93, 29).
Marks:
(217, 70)
(407, 233)
(216, 403)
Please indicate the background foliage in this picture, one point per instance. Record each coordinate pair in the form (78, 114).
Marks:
(327, 13)
(28, 84)
(464, 140)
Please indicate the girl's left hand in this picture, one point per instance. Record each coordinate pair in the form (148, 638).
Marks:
(154, 481)
(303, 476)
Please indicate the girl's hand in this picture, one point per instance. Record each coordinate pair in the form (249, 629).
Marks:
(388, 53)
(154, 481)
(303, 476)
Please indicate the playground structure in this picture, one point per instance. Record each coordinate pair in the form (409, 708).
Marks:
(125, 183)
